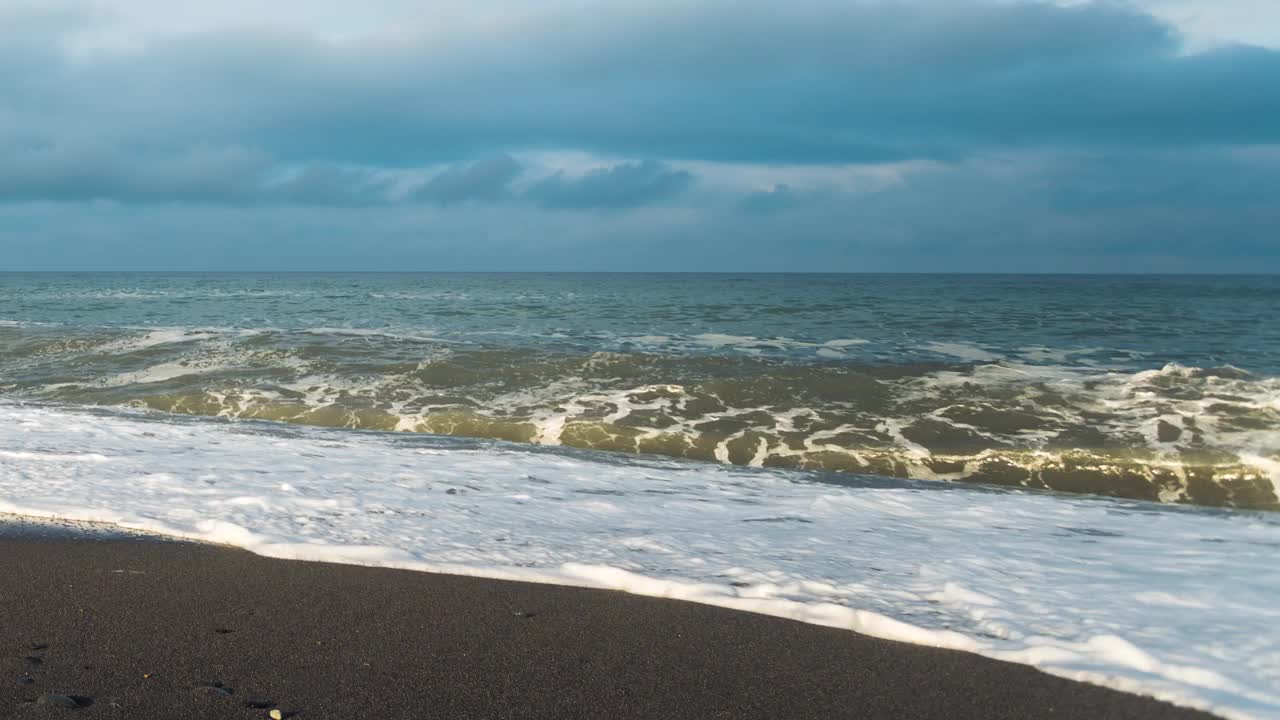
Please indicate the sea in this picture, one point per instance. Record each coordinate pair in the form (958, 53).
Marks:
(1080, 473)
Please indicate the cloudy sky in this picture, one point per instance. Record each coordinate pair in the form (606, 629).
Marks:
(860, 135)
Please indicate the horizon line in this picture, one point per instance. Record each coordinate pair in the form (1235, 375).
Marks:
(117, 271)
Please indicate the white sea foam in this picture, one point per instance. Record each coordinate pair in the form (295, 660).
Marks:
(1173, 602)
(963, 351)
(162, 336)
(26, 323)
(406, 336)
(741, 342)
(1058, 356)
(745, 344)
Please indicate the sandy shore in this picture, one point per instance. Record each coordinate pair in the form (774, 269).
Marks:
(129, 627)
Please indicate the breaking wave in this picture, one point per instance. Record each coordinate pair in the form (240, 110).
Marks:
(1202, 435)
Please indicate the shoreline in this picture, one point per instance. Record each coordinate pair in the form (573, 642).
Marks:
(145, 627)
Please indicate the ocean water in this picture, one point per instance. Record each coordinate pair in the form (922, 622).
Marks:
(1072, 472)
(1158, 388)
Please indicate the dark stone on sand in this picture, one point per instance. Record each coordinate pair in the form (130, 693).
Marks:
(26, 681)
(259, 704)
(66, 701)
(39, 646)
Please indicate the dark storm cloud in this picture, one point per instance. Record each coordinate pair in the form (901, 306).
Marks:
(1131, 211)
(80, 172)
(486, 180)
(984, 216)
(751, 82)
(625, 185)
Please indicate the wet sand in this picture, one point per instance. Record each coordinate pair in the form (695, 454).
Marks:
(131, 627)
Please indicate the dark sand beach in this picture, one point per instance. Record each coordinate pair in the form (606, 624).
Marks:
(132, 627)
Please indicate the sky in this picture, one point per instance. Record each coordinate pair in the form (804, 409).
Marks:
(583, 135)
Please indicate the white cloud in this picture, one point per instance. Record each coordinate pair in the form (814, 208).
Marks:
(853, 178)
(1205, 23)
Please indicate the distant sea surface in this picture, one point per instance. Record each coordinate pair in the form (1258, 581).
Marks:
(1157, 388)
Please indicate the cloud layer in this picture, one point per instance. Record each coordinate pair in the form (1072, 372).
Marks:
(1091, 120)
